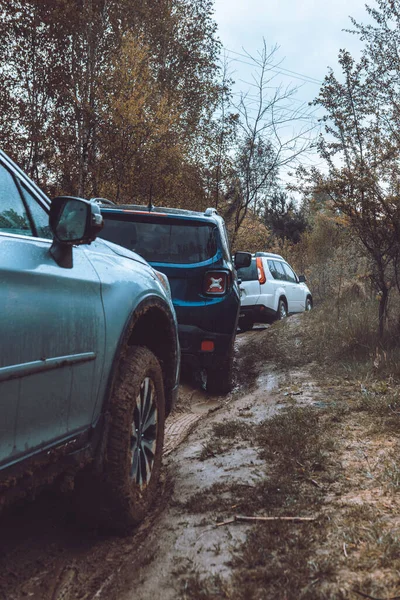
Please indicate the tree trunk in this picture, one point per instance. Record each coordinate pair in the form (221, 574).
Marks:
(382, 310)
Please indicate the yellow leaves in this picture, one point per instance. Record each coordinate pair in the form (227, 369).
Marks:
(252, 235)
(138, 102)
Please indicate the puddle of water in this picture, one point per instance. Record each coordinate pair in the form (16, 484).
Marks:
(268, 381)
(320, 404)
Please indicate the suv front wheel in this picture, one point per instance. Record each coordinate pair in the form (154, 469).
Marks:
(121, 495)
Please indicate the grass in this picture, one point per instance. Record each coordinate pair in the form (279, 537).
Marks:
(223, 437)
(339, 462)
(391, 470)
(276, 556)
(371, 540)
(233, 429)
(295, 437)
(341, 341)
(194, 587)
(287, 569)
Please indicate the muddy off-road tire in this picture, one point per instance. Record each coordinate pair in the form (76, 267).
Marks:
(246, 324)
(282, 311)
(309, 304)
(123, 492)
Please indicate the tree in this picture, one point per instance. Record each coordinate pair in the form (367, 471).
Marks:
(61, 66)
(27, 85)
(361, 154)
(285, 219)
(266, 142)
(220, 140)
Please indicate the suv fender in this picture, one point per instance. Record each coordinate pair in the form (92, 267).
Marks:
(151, 324)
(154, 313)
(280, 293)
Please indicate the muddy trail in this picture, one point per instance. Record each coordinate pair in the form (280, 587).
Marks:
(286, 489)
(45, 555)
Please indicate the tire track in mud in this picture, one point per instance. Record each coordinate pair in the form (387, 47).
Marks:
(178, 430)
(45, 556)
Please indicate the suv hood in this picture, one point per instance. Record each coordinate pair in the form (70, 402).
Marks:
(122, 251)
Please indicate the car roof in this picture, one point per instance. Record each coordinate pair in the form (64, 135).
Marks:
(268, 255)
(210, 214)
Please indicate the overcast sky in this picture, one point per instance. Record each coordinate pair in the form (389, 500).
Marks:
(309, 34)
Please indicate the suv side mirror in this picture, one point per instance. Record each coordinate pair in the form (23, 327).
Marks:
(73, 221)
(242, 259)
(302, 278)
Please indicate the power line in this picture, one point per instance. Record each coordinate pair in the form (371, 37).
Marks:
(284, 109)
(257, 98)
(253, 97)
(312, 79)
(276, 69)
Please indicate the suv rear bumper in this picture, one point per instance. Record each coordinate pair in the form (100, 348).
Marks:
(191, 337)
(258, 313)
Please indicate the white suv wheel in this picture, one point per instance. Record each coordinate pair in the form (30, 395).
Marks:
(282, 310)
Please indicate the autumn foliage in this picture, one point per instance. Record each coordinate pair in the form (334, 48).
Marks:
(108, 98)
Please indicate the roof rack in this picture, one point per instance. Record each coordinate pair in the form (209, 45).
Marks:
(102, 201)
(210, 211)
(268, 255)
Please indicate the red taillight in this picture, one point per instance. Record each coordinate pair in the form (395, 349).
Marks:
(260, 270)
(216, 283)
(207, 346)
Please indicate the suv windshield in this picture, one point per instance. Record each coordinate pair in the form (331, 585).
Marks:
(162, 241)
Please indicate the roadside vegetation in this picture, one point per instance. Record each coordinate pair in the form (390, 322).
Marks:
(133, 102)
(330, 453)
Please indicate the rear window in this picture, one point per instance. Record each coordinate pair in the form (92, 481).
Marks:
(160, 241)
(248, 273)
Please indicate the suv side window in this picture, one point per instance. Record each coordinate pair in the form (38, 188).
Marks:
(225, 242)
(38, 213)
(277, 271)
(281, 271)
(272, 268)
(13, 214)
(290, 276)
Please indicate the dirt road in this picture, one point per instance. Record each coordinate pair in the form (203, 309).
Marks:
(45, 556)
(306, 451)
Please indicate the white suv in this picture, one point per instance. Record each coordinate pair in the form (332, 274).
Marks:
(270, 290)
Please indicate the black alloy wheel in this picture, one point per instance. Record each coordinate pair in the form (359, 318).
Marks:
(144, 434)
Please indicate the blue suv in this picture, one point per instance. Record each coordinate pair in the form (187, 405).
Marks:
(89, 357)
(192, 249)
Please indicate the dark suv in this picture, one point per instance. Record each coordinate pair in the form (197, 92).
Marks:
(192, 249)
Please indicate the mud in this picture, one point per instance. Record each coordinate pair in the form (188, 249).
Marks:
(45, 555)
